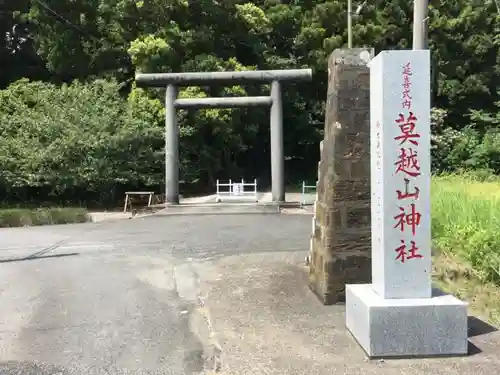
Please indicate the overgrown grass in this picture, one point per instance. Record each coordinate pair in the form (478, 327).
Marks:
(466, 228)
(20, 217)
(466, 222)
(455, 276)
(466, 237)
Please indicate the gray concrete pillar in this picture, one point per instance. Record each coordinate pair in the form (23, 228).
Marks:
(277, 152)
(171, 148)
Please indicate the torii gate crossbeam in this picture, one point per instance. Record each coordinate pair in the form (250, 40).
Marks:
(172, 80)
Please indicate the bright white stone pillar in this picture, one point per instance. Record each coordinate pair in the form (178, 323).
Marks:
(400, 182)
(399, 314)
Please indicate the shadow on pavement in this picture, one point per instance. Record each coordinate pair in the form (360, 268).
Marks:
(477, 327)
(11, 260)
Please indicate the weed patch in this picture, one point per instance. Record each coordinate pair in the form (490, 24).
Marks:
(21, 217)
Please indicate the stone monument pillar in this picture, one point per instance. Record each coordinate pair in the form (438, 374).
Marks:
(341, 241)
(399, 314)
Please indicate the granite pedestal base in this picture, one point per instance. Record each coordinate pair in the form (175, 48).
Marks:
(434, 326)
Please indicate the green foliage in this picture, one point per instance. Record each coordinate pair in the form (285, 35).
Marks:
(93, 138)
(19, 217)
(76, 138)
(465, 221)
(474, 147)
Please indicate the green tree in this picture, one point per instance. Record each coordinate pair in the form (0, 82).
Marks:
(93, 40)
(17, 55)
(76, 139)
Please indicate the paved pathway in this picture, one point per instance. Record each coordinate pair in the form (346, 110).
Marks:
(120, 297)
(183, 295)
(267, 321)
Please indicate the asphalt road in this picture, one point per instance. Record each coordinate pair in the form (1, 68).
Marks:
(121, 297)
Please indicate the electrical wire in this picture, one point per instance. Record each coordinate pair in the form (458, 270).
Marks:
(41, 3)
(99, 40)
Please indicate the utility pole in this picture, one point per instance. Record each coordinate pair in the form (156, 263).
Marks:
(420, 8)
(349, 23)
(349, 19)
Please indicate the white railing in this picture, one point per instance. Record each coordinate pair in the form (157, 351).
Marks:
(307, 189)
(236, 191)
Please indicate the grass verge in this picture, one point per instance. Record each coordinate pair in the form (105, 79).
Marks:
(465, 229)
(452, 275)
(22, 217)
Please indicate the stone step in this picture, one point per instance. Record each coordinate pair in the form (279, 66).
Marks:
(218, 209)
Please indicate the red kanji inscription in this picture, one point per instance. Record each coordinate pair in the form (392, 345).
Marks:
(407, 127)
(405, 254)
(406, 193)
(407, 69)
(411, 219)
(408, 162)
(406, 86)
(406, 104)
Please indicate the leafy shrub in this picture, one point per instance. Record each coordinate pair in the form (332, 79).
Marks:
(75, 140)
(84, 142)
(474, 147)
(20, 217)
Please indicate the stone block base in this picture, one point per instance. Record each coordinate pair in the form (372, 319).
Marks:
(434, 326)
(328, 275)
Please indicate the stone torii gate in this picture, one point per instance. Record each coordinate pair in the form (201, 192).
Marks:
(173, 80)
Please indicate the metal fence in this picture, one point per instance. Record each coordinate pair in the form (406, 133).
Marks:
(308, 194)
(236, 191)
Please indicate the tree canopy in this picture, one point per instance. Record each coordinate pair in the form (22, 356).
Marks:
(73, 124)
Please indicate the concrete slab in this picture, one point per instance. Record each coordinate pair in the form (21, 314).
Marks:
(267, 321)
(97, 217)
(200, 199)
(218, 209)
(406, 327)
(264, 198)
